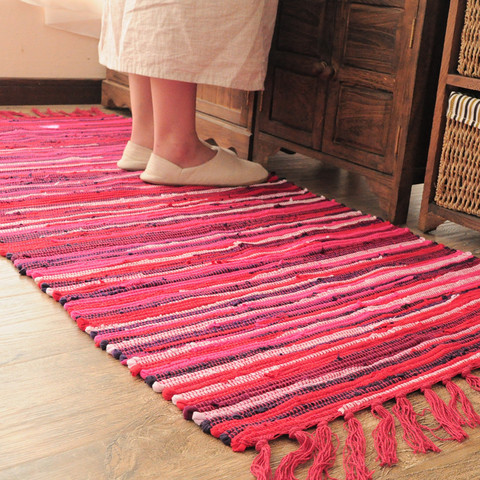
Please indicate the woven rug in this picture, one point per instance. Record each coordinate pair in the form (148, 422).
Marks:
(259, 311)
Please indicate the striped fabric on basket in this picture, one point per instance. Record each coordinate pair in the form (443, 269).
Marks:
(259, 311)
(464, 109)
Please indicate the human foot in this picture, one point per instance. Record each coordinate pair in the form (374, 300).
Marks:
(223, 170)
(135, 157)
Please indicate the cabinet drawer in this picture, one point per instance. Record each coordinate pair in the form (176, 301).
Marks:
(352, 82)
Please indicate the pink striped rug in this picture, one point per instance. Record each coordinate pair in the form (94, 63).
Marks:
(259, 311)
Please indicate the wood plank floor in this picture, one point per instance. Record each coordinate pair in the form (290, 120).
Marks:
(69, 411)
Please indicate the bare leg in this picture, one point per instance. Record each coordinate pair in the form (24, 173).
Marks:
(142, 110)
(175, 136)
(179, 157)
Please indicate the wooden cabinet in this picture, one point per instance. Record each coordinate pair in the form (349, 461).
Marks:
(353, 82)
(432, 214)
(115, 91)
(223, 115)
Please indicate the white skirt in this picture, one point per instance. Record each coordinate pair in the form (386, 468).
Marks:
(213, 42)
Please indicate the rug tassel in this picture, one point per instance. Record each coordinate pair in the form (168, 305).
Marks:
(355, 450)
(41, 114)
(412, 431)
(8, 115)
(384, 436)
(260, 468)
(291, 461)
(448, 418)
(473, 381)
(458, 395)
(326, 453)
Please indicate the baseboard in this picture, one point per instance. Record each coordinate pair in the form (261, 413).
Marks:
(31, 91)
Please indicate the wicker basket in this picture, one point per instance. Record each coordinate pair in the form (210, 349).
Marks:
(469, 58)
(458, 184)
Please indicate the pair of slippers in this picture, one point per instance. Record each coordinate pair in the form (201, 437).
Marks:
(225, 169)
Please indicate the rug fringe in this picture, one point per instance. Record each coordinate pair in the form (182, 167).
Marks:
(449, 419)
(384, 437)
(78, 112)
(472, 380)
(261, 468)
(471, 418)
(10, 115)
(412, 431)
(49, 113)
(290, 462)
(326, 453)
(323, 445)
(354, 460)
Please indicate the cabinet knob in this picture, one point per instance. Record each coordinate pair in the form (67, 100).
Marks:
(323, 69)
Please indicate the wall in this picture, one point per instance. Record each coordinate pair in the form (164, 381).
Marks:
(29, 49)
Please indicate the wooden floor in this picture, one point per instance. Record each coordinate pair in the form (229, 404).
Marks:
(69, 411)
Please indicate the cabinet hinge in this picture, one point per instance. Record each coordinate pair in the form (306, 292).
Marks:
(412, 33)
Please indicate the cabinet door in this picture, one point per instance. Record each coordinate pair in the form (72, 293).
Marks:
(293, 104)
(364, 108)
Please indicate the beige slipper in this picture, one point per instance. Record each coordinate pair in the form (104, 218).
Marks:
(223, 170)
(135, 157)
